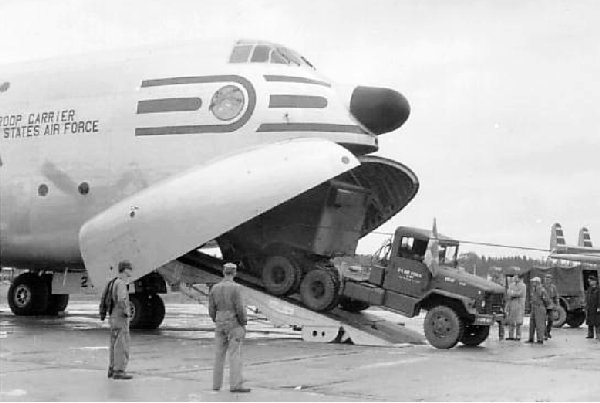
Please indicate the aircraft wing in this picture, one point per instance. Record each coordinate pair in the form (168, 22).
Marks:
(179, 214)
(577, 257)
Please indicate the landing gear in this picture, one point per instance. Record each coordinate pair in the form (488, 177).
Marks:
(57, 303)
(474, 335)
(28, 295)
(281, 275)
(443, 327)
(147, 311)
(319, 290)
(576, 318)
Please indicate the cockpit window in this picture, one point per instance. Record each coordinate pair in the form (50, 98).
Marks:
(277, 58)
(260, 54)
(267, 53)
(240, 54)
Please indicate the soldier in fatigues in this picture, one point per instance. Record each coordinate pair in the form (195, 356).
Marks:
(537, 319)
(119, 325)
(553, 296)
(226, 308)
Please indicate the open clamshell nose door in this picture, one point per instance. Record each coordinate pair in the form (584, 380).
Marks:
(174, 216)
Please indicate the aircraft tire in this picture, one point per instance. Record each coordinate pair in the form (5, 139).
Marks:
(57, 303)
(28, 295)
(560, 316)
(576, 318)
(353, 305)
(147, 311)
(474, 335)
(281, 275)
(443, 327)
(319, 290)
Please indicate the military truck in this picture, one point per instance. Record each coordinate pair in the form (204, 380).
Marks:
(460, 306)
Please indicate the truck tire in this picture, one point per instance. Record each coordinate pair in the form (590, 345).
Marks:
(28, 295)
(353, 305)
(560, 316)
(57, 303)
(281, 275)
(319, 290)
(576, 318)
(443, 327)
(474, 335)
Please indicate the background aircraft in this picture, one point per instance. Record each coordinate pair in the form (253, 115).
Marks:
(583, 252)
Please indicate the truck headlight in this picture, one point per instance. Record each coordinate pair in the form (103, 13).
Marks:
(227, 103)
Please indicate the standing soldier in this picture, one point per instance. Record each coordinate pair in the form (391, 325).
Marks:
(119, 324)
(537, 319)
(500, 280)
(553, 296)
(592, 308)
(226, 308)
(515, 307)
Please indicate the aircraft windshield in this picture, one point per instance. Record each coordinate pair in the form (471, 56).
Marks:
(267, 53)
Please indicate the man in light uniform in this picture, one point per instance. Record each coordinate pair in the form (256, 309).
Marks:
(119, 324)
(226, 308)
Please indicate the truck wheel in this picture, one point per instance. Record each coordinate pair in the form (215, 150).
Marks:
(474, 335)
(560, 316)
(57, 303)
(576, 318)
(353, 305)
(28, 295)
(281, 275)
(319, 290)
(443, 327)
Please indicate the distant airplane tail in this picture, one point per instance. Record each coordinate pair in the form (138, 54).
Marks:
(584, 238)
(557, 238)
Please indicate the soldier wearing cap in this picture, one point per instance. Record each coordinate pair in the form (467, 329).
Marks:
(553, 296)
(592, 308)
(119, 324)
(226, 308)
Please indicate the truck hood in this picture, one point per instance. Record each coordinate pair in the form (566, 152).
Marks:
(476, 281)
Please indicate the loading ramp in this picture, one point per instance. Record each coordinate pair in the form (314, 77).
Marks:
(336, 326)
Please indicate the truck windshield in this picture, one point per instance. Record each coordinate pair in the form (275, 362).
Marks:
(448, 255)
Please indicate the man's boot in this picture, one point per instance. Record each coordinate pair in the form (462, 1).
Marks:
(122, 375)
(590, 332)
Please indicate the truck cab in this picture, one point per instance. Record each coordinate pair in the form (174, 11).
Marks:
(406, 278)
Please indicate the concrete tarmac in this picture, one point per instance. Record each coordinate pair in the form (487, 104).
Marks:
(65, 359)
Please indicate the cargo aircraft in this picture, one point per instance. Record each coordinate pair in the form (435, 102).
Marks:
(147, 154)
(584, 251)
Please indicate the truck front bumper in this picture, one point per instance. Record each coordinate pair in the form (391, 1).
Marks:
(485, 320)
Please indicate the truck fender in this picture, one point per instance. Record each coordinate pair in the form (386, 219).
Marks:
(172, 217)
(462, 300)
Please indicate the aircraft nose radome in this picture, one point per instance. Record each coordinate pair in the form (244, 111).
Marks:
(381, 110)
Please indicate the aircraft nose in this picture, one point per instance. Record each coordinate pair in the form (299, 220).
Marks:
(381, 110)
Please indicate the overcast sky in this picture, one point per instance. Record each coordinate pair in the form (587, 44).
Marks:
(505, 95)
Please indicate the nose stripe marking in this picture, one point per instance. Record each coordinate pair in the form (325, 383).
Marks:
(198, 129)
(309, 127)
(295, 79)
(169, 105)
(297, 101)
